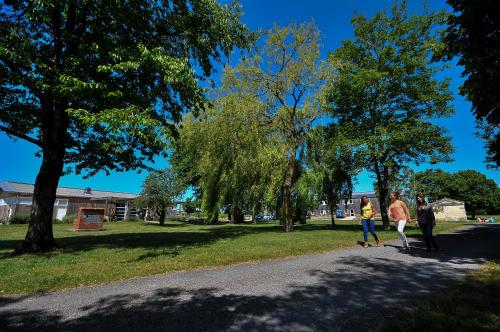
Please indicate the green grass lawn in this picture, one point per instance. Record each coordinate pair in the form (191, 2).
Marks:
(473, 304)
(131, 249)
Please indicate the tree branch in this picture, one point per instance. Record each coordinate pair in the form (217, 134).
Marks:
(13, 68)
(21, 136)
(303, 128)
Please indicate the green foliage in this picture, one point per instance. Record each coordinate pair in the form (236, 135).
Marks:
(159, 190)
(332, 157)
(19, 219)
(225, 150)
(386, 92)
(433, 184)
(118, 73)
(469, 186)
(473, 34)
(477, 191)
(191, 205)
(288, 80)
(239, 149)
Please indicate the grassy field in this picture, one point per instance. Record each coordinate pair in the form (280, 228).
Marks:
(473, 304)
(131, 249)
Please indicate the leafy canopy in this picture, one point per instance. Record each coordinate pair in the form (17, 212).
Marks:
(123, 71)
(473, 34)
(386, 91)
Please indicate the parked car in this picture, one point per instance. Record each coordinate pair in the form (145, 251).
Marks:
(340, 214)
(263, 217)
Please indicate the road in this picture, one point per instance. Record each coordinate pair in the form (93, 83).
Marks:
(343, 290)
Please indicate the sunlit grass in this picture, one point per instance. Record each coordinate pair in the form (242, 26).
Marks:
(131, 249)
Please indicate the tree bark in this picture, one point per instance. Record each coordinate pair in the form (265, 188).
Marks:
(383, 193)
(236, 215)
(213, 218)
(162, 216)
(332, 213)
(39, 237)
(287, 193)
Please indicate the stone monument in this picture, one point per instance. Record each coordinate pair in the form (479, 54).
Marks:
(89, 219)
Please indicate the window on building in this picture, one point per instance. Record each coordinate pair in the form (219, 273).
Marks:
(350, 201)
(61, 202)
(352, 213)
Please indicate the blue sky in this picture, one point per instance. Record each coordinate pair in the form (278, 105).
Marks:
(333, 19)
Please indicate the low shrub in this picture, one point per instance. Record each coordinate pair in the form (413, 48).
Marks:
(20, 219)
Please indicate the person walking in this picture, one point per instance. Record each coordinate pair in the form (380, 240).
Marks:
(400, 215)
(367, 214)
(426, 221)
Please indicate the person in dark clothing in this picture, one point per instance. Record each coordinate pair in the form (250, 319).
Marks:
(426, 221)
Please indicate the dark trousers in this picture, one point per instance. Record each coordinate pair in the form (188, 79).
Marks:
(428, 238)
(368, 226)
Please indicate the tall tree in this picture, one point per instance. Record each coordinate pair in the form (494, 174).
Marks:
(475, 190)
(288, 78)
(227, 150)
(387, 92)
(99, 85)
(473, 35)
(332, 157)
(160, 190)
(433, 184)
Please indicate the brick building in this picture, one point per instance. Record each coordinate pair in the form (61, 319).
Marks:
(17, 197)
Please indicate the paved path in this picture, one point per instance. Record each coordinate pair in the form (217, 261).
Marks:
(337, 291)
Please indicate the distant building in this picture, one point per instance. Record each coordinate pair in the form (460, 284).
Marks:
(447, 209)
(349, 206)
(17, 197)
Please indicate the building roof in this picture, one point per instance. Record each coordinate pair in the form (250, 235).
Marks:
(27, 188)
(447, 201)
(369, 194)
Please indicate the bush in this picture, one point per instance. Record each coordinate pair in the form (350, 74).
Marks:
(19, 219)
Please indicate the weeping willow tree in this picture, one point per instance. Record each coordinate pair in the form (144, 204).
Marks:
(229, 155)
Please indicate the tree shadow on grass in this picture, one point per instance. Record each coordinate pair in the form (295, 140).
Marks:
(350, 293)
(166, 240)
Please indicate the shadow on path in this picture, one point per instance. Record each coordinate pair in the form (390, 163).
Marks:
(347, 297)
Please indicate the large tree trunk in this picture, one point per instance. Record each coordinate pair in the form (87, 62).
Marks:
(287, 193)
(332, 213)
(383, 193)
(383, 197)
(39, 237)
(213, 217)
(163, 214)
(236, 215)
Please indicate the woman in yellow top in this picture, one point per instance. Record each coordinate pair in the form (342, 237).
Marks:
(367, 214)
